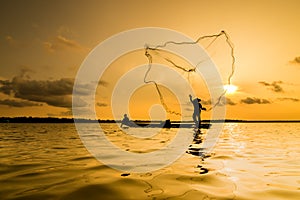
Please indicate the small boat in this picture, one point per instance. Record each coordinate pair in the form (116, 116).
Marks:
(167, 124)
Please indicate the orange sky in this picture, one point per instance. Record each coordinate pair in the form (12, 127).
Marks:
(43, 43)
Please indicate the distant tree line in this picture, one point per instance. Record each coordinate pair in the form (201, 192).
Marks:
(48, 120)
(71, 120)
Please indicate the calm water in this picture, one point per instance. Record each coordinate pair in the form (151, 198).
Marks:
(250, 161)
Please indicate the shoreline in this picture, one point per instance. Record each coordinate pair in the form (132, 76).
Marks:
(71, 120)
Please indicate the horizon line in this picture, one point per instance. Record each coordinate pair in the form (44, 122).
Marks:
(70, 120)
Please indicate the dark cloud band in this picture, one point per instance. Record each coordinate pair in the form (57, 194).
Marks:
(56, 93)
(19, 104)
(274, 86)
(254, 100)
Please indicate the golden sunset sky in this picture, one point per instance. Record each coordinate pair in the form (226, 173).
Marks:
(43, 44)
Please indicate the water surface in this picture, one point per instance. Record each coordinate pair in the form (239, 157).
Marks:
(250, 161)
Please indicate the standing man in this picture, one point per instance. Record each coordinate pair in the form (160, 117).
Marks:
(197, 111)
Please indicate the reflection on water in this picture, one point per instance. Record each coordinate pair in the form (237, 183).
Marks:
(250, 161)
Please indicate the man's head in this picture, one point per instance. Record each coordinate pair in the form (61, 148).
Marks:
(198, 99)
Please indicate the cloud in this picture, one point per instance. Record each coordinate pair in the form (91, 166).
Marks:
(66, 113)
(223, 101)
(230, 102)
(61, 42)
(52, 100)
(274, 86)
(84, 89)
(296, 60)
(6, 87)
(101, 104)
(103, 83)
(289, 99)
(14, 103)
(67, 42)
(253, 100)
(55, 92)
(78, 102)
(59, 87)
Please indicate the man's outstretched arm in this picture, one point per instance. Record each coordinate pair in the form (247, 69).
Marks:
(191, 99)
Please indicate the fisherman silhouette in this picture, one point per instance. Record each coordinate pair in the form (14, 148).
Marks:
(197, 111)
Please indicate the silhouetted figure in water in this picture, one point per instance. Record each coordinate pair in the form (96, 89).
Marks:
(126, 121)
(197, 111)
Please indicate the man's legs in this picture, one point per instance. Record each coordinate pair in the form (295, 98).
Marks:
(199, 119)
(196, 118)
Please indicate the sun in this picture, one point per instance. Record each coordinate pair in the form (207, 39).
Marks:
(230, 89)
